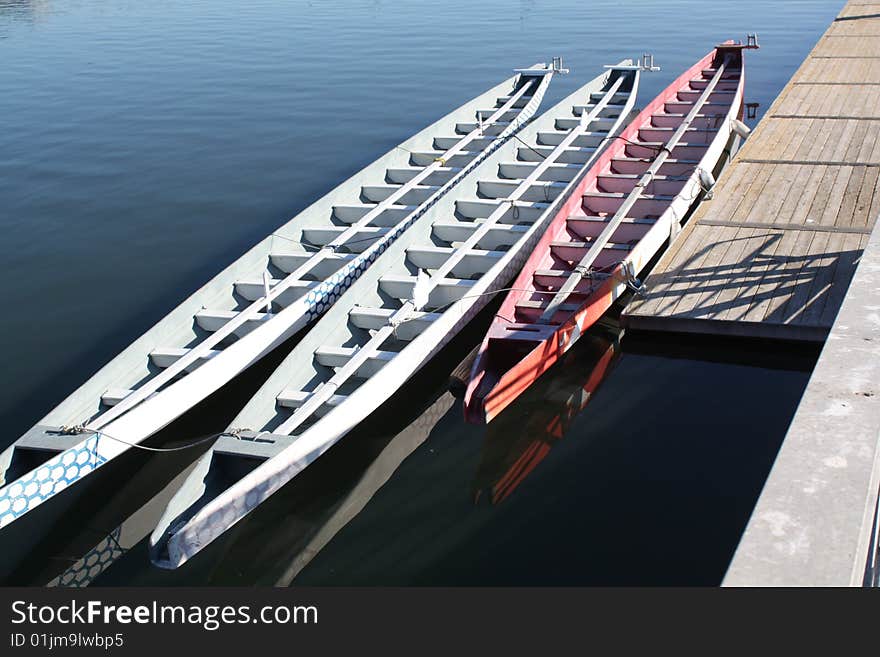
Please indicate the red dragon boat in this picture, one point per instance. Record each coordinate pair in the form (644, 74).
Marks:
(624, 210)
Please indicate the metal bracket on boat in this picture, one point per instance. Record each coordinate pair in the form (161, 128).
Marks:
(707, 183)
(750, 44)
(643, 63)
(647, 62)
(556, 66)
(632, 281)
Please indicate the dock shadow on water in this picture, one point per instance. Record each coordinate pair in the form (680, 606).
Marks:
(637, 460)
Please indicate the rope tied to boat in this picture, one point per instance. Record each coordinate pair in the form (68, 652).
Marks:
(76, 429)
(515, 208)
(584, 270)
(72, 429)
(656, 149)
(541, 155)
(179, 448)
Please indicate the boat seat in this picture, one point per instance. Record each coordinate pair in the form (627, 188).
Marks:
(166, 356)
(521, 331)
(624, 183)
(609, 202)
(553, 172)
(493, 129)
(521, 102)
(630, 228)
(425, 158)
(474, 262)
(324, 267)
(359, 241)
(113, 396)
(252, 445)
(251, 290)
(535, 304)
(693, 96)
(497, 236)
(541, 191)
(638, 166)
(571, 155)
(448, 290)
(296, 398)
(415, 195)
(438, 176)
(574, 251)
(601, 121)
(339, 356)
(554, 278)
(673, 120)
(532, 309)
(584, 140)
(444, 142)
(683, 107)
(509, 115)
(376, 318)
(390, 216)
(653, 133)
(213, 320)
(518, 212)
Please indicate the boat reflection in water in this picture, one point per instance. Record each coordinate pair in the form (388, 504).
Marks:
(283, 539)
(374, 477)
(522, 436)
(120, 540)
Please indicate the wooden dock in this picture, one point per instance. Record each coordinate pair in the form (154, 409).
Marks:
(773, 253)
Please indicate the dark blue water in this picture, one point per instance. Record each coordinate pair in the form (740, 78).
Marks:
(144, 145)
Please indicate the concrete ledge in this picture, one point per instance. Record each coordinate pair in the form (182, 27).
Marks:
(814, 522)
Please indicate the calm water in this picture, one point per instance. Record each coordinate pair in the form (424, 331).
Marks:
(145, 145)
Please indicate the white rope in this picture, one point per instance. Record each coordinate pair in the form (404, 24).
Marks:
(70, 430)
